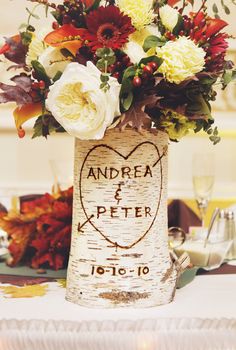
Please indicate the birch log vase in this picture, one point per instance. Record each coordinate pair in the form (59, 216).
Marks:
(119, 251)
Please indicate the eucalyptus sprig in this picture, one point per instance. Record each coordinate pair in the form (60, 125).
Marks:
(224, 6)
(27, 28)
(106, 58)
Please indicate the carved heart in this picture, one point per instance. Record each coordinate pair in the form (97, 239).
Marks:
(121, 194)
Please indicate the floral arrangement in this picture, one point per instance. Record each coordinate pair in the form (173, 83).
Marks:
(105, 64)
(39, 232)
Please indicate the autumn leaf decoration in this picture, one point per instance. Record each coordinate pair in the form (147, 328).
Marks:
(136, 117)
(19, 92)
(31, 291)
(40, 233)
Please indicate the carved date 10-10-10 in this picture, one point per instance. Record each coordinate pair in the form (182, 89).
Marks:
(116, 271)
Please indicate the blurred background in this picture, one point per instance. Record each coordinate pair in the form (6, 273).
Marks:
(28, 165)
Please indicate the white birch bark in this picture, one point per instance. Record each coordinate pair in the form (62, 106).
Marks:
(119, 252)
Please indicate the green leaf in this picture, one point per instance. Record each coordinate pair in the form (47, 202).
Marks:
(66, 53)
(99, 52)
(101, 64)
(57, 76)
(153, 41)
(227, 77)
(129, 73)
(198, 105)
(126, 92)
(215, 132)
(104, 52)
(127, 101)
(178, 26)
(40, 72)
(104, 78)
(46, 9)
(199, 126)
(56, 15)
(38, 128)
(227, 10)
(126, 86)
(110, 60)
(155, 59)
(32, 14)
(215, 8)
(208, 81)
(209, 131)
(23, 26)
(215, 139)
(46, 125)
(94, 6)
(26, 38)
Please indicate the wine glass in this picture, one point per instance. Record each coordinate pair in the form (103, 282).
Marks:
(203, 181)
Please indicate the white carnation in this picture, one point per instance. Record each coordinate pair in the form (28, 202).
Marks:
(182, 59)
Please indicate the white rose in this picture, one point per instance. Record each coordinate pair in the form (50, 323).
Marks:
(53, 61)
(169, 16)
(79, 105)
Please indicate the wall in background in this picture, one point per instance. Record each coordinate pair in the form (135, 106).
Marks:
(29, 165)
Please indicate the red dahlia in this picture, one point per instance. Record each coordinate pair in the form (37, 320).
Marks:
(107, 27)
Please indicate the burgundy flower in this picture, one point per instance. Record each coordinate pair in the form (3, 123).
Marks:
(107, 27)
(216, 52)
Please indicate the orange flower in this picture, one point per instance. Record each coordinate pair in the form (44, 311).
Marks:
(26, 112)
(67, 36)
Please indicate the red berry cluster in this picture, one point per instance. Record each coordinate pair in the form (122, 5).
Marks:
(37, 90)
(117, 69)
(70, 12)
(147, 72)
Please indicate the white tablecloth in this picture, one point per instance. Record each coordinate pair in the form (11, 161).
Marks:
(203, 316)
